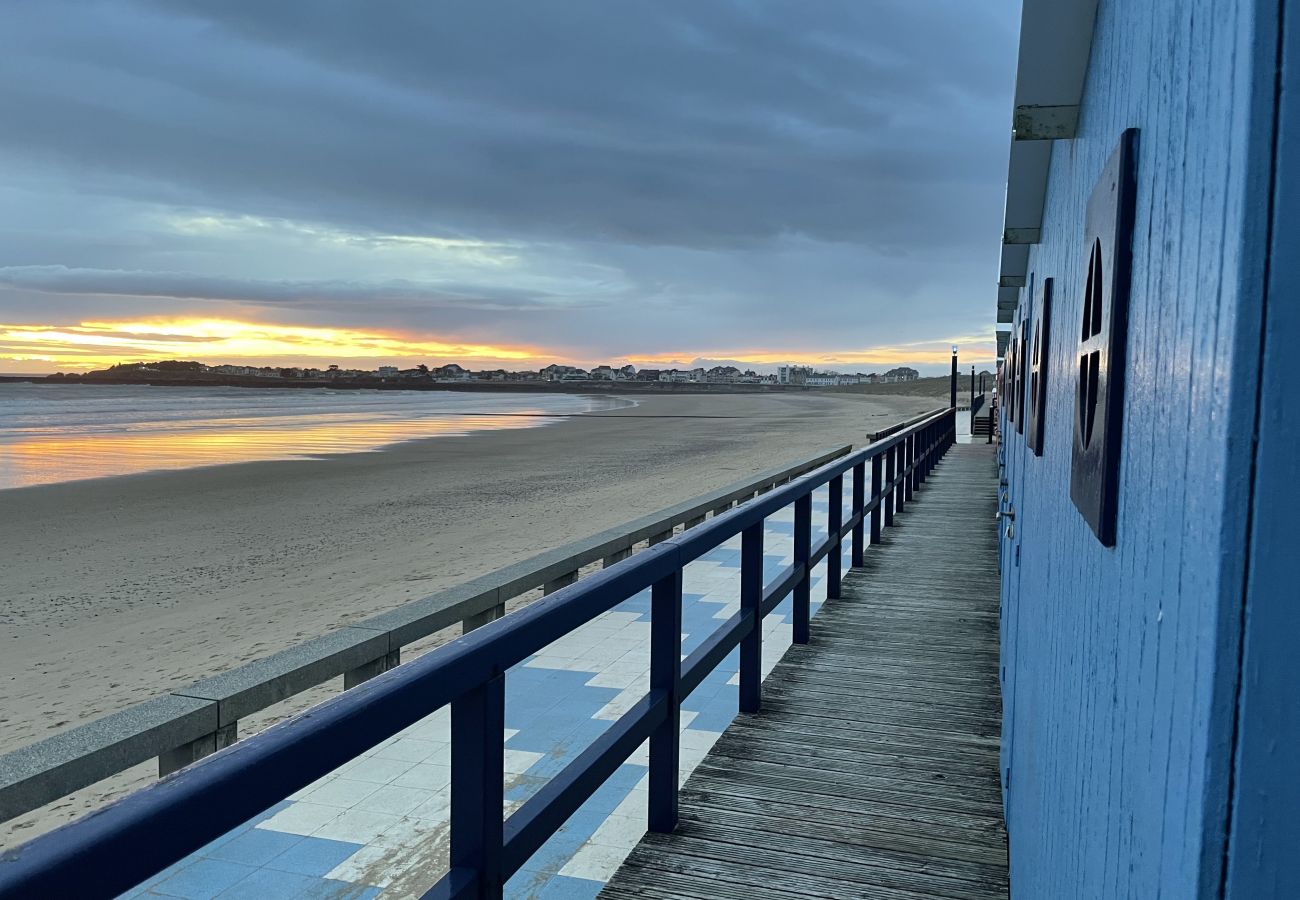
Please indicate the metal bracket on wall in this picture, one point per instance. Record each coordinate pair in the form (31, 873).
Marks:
(1045, 123)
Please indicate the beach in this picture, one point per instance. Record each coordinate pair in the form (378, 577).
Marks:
(119, 589)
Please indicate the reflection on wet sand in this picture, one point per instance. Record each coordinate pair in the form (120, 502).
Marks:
(34, 453)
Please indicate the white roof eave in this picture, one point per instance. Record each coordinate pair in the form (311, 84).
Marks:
(1055, 43)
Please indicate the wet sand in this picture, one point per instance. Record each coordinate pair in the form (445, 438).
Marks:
(119, 589)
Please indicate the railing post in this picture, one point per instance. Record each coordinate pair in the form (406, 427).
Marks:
(366, 671)
(802, 553)
(478, 720)
(877, 497)
(558, 582)
(751, 602)
(616, 557)
(660, 537)
(478, 620)
(835, 521)
(917, 449)
(887, 495)
(666, 675)
(900, 470)
(909, 457)
(179, 757)
(859, 503)
(899, 462)
(924, 468)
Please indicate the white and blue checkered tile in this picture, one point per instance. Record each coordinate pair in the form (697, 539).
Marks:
(377, 827)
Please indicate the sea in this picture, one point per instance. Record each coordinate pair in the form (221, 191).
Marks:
(52, 433)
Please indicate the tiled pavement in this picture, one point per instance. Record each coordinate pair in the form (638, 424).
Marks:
(378, 825)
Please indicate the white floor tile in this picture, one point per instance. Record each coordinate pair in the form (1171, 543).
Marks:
(302, 817)
(396, 800)
(360, 826)
(343, 792)
(381, 771)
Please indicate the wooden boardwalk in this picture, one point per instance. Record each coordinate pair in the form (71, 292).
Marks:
(872, 770)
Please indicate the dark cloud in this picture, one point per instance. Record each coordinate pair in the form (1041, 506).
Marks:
(684, 143)
(323, 294)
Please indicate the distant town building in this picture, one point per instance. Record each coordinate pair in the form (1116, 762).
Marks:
(387, 371)
(793, 374)
(902, 373)
(563, 373)
(451, 371)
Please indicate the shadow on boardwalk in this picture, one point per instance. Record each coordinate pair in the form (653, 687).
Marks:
(872, 770)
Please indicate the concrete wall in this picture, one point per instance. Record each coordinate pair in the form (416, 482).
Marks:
(1121, 664)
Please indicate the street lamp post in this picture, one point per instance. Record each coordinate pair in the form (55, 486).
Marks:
(952, 386)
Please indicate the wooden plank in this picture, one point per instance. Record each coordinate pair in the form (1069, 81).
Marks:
(872, 769)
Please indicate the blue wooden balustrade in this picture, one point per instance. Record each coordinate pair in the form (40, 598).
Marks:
(113, 850)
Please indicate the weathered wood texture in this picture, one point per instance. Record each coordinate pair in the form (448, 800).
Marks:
(872, 770)
(1121, 663)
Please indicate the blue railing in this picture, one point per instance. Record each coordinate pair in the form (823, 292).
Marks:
(113, 850)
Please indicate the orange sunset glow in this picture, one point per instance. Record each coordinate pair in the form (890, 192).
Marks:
(973, 349)
(99, 344)
(95, 345)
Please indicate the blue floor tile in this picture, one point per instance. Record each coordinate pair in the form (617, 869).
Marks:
(564, 887)
(266, 884)
(313, 856)
(203, 879)
(256, 846)
(330, 889)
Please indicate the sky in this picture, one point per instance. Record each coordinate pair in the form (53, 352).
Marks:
(502, 182)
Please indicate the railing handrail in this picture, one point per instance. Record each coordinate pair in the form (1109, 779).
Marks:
(114, 849)
(899, 426)
(201, 717)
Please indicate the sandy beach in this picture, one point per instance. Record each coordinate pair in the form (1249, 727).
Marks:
(119, 589)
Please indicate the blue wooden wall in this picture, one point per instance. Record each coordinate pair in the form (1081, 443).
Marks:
(1264, 850)
(1121, 665)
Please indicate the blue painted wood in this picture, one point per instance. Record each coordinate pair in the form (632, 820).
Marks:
(1121, 664)
(714, 649)
(781, 586)
(1265, 827)
(877, 479)
(859, 501)
(802, 606)
(548, 809)
(666, 677)
(909, 483)
(117, 848)
(834, 522)
(751, 599)
(888, 492)
(478, 722)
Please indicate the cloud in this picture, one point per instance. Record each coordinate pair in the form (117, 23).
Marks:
(647, 170)
(317, 294)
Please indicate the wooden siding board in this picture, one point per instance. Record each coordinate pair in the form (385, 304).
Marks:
(1120, 663)
(872, 769)
(1265, 828)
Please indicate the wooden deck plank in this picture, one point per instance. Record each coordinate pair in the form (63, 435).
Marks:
(872, 770)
